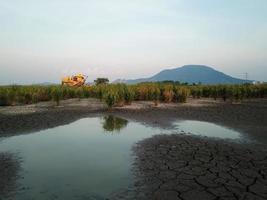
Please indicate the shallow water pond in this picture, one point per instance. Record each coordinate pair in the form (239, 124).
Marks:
(206, 129)
(87, 159)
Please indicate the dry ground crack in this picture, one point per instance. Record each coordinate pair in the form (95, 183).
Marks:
(186, 167)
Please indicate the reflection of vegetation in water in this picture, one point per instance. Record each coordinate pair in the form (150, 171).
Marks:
(112, 123)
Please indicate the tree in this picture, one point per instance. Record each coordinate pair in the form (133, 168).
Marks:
(100, 81)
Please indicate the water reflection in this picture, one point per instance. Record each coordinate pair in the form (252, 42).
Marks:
(58, 164)
(206, 129)
(111, 123)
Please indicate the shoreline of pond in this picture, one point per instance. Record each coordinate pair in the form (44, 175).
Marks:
(249, 118)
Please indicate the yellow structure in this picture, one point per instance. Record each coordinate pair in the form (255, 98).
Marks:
(76, 80)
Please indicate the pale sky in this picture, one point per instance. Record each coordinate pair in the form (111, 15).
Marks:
(42, 40)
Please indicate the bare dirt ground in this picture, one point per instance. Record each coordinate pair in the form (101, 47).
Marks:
(32, 118)
(170, 167)
(182, 167)
(249, 117)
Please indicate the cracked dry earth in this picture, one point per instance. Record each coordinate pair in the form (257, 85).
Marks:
(183, 167)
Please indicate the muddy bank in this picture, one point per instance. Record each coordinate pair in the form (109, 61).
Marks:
(32, 118)
(162, 151)
(186, 167)
(249, 117)
(32, 122)
(9, 168)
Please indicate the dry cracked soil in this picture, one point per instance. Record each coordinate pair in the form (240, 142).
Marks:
(183, 167)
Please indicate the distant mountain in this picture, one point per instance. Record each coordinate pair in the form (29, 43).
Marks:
(120, 81)
(45, 83)
(191, 74)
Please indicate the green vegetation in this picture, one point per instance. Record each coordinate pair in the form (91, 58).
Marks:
(111, 97)
(99, 81)
(122, 94)
(56, 94)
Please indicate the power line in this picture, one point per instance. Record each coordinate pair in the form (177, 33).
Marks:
(246, 76)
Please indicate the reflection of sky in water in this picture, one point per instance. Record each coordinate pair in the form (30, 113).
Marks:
(206, 129)
(82, 160)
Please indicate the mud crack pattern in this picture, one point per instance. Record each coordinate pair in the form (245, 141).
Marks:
(182, 167)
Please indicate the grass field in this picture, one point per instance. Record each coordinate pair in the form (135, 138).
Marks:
(121, 94)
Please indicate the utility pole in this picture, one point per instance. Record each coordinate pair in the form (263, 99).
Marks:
(246, 76)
